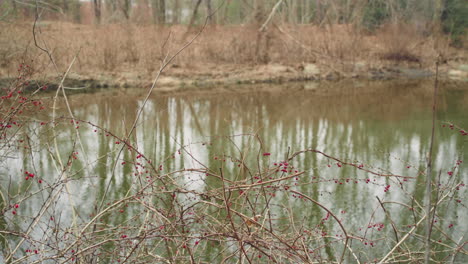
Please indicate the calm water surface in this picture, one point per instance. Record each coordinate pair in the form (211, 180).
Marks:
(385, 127)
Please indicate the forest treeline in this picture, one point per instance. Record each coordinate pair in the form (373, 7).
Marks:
(451, 16)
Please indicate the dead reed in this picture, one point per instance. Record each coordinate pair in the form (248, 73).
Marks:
(139, 49)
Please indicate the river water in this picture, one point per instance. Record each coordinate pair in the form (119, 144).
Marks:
(356, 133)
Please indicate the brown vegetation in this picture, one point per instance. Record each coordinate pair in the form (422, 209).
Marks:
(125, 41)
(127, 51)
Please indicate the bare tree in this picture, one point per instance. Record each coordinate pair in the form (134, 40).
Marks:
(318, 12)
(176, 12)
(72, 9)
(194, 13)
(111, 6)
(159, 11)
(126, 6)
(65, 5)
(263, 34)
(209, 11)
(97, 10)
(13, 5)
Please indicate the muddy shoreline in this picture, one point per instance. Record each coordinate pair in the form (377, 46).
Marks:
(177, 79)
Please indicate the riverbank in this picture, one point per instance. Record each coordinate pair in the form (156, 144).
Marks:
(130, 55)
(178, 79)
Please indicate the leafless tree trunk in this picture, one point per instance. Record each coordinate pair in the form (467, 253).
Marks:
(162, 11)
(176, 12)
(97, 10)
(159, 11)
(126, 8)
(209, 11)
(74, 10)
(263, 34)
(13, 5)
(318, 12)
(438, 8)
(111, 6)
(65, 6)
(223, 13)
(194, 13)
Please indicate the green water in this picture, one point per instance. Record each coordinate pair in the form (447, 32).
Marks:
(384, 127)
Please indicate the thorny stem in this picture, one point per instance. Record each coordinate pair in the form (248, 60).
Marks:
(424, 217)
(334, 216)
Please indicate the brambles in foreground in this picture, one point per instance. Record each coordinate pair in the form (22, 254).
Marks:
(171, 221)
(164, 218)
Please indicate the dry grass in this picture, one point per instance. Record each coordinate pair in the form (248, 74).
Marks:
(140, 48)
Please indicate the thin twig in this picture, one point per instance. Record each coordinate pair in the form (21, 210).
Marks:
(427, 254)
